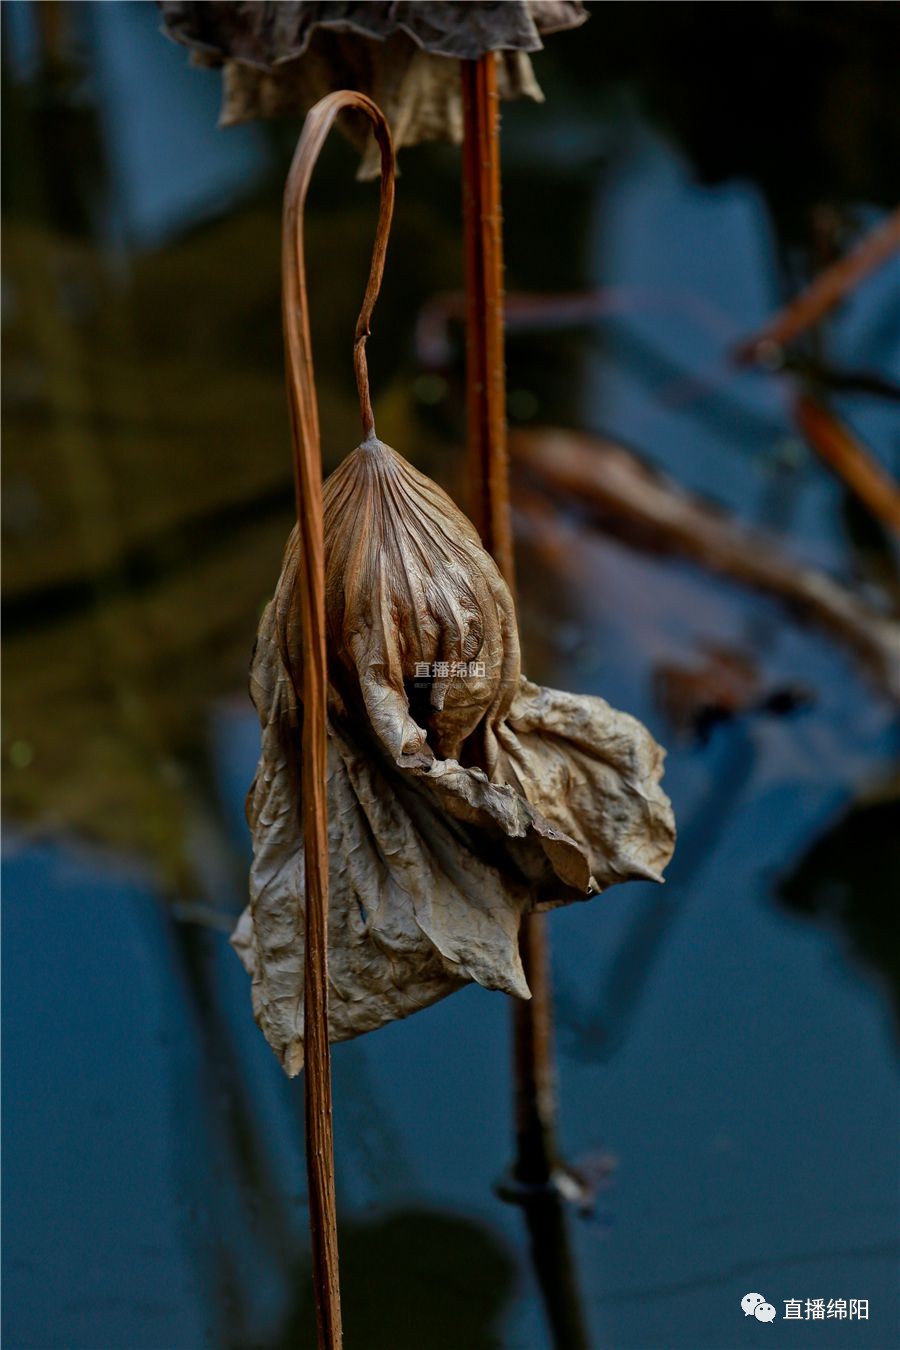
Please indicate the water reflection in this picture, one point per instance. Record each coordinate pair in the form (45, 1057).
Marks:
(158, 1188)
(734, 1057)
(846, 880)
(411, 1276)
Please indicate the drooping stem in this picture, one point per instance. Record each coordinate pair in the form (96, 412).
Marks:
(311, 587)
(379, 249)
(488, 467)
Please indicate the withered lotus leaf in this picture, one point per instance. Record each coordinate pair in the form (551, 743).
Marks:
(408, 587)
(279, 59)
(460, 795)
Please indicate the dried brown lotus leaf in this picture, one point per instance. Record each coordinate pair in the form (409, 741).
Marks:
(418, 91)
(280, 59)
(455, 805)
(266, 36)
(408, 586)
(594, 773)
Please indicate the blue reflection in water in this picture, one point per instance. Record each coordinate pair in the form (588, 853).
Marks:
(737, 1069)
(103, 1123)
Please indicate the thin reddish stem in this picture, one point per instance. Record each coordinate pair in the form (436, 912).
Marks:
(486, 373)
(489, 500)
(828, 289)
(846, 456)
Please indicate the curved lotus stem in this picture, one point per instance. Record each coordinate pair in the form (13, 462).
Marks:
(311, 585)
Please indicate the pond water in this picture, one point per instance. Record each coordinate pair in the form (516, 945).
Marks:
(725, 1044)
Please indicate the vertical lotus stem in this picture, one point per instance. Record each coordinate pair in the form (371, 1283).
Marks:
(489, 479)
(535, 1076)
(311, 587)
(485, 370)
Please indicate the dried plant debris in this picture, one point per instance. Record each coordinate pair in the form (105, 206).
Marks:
(418, 92)
(460, 795)
(265, 35)
(280, 59)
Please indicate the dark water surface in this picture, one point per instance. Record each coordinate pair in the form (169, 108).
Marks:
(726, 1044)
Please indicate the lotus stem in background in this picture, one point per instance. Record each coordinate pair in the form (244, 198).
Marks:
(828, 289)
(846, 456)
(535, 1085)
(311, 587)
(485, 372)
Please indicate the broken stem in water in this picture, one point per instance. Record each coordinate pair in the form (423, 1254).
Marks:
(854, 464)
(826, 291)
(311, 587)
